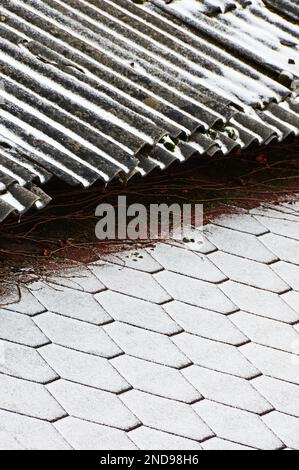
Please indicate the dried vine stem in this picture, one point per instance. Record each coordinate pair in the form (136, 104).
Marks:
(53, 239)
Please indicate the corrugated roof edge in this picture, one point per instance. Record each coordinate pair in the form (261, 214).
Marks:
(276, 123)
(18, 200)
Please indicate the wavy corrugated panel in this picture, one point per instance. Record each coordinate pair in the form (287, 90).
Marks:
(90, 89)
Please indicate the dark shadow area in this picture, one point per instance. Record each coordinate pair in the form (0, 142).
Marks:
(64, 232)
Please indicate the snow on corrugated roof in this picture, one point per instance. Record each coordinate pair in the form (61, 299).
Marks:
(89, 89)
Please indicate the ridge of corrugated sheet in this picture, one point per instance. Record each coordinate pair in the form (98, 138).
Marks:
(90, 88)
(288, 8)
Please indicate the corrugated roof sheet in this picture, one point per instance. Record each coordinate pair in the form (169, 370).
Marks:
(89, 89)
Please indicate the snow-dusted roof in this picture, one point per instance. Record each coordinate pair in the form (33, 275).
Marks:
(89, 89)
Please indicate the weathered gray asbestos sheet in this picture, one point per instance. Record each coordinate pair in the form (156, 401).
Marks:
(89, 89)
(287, 8)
